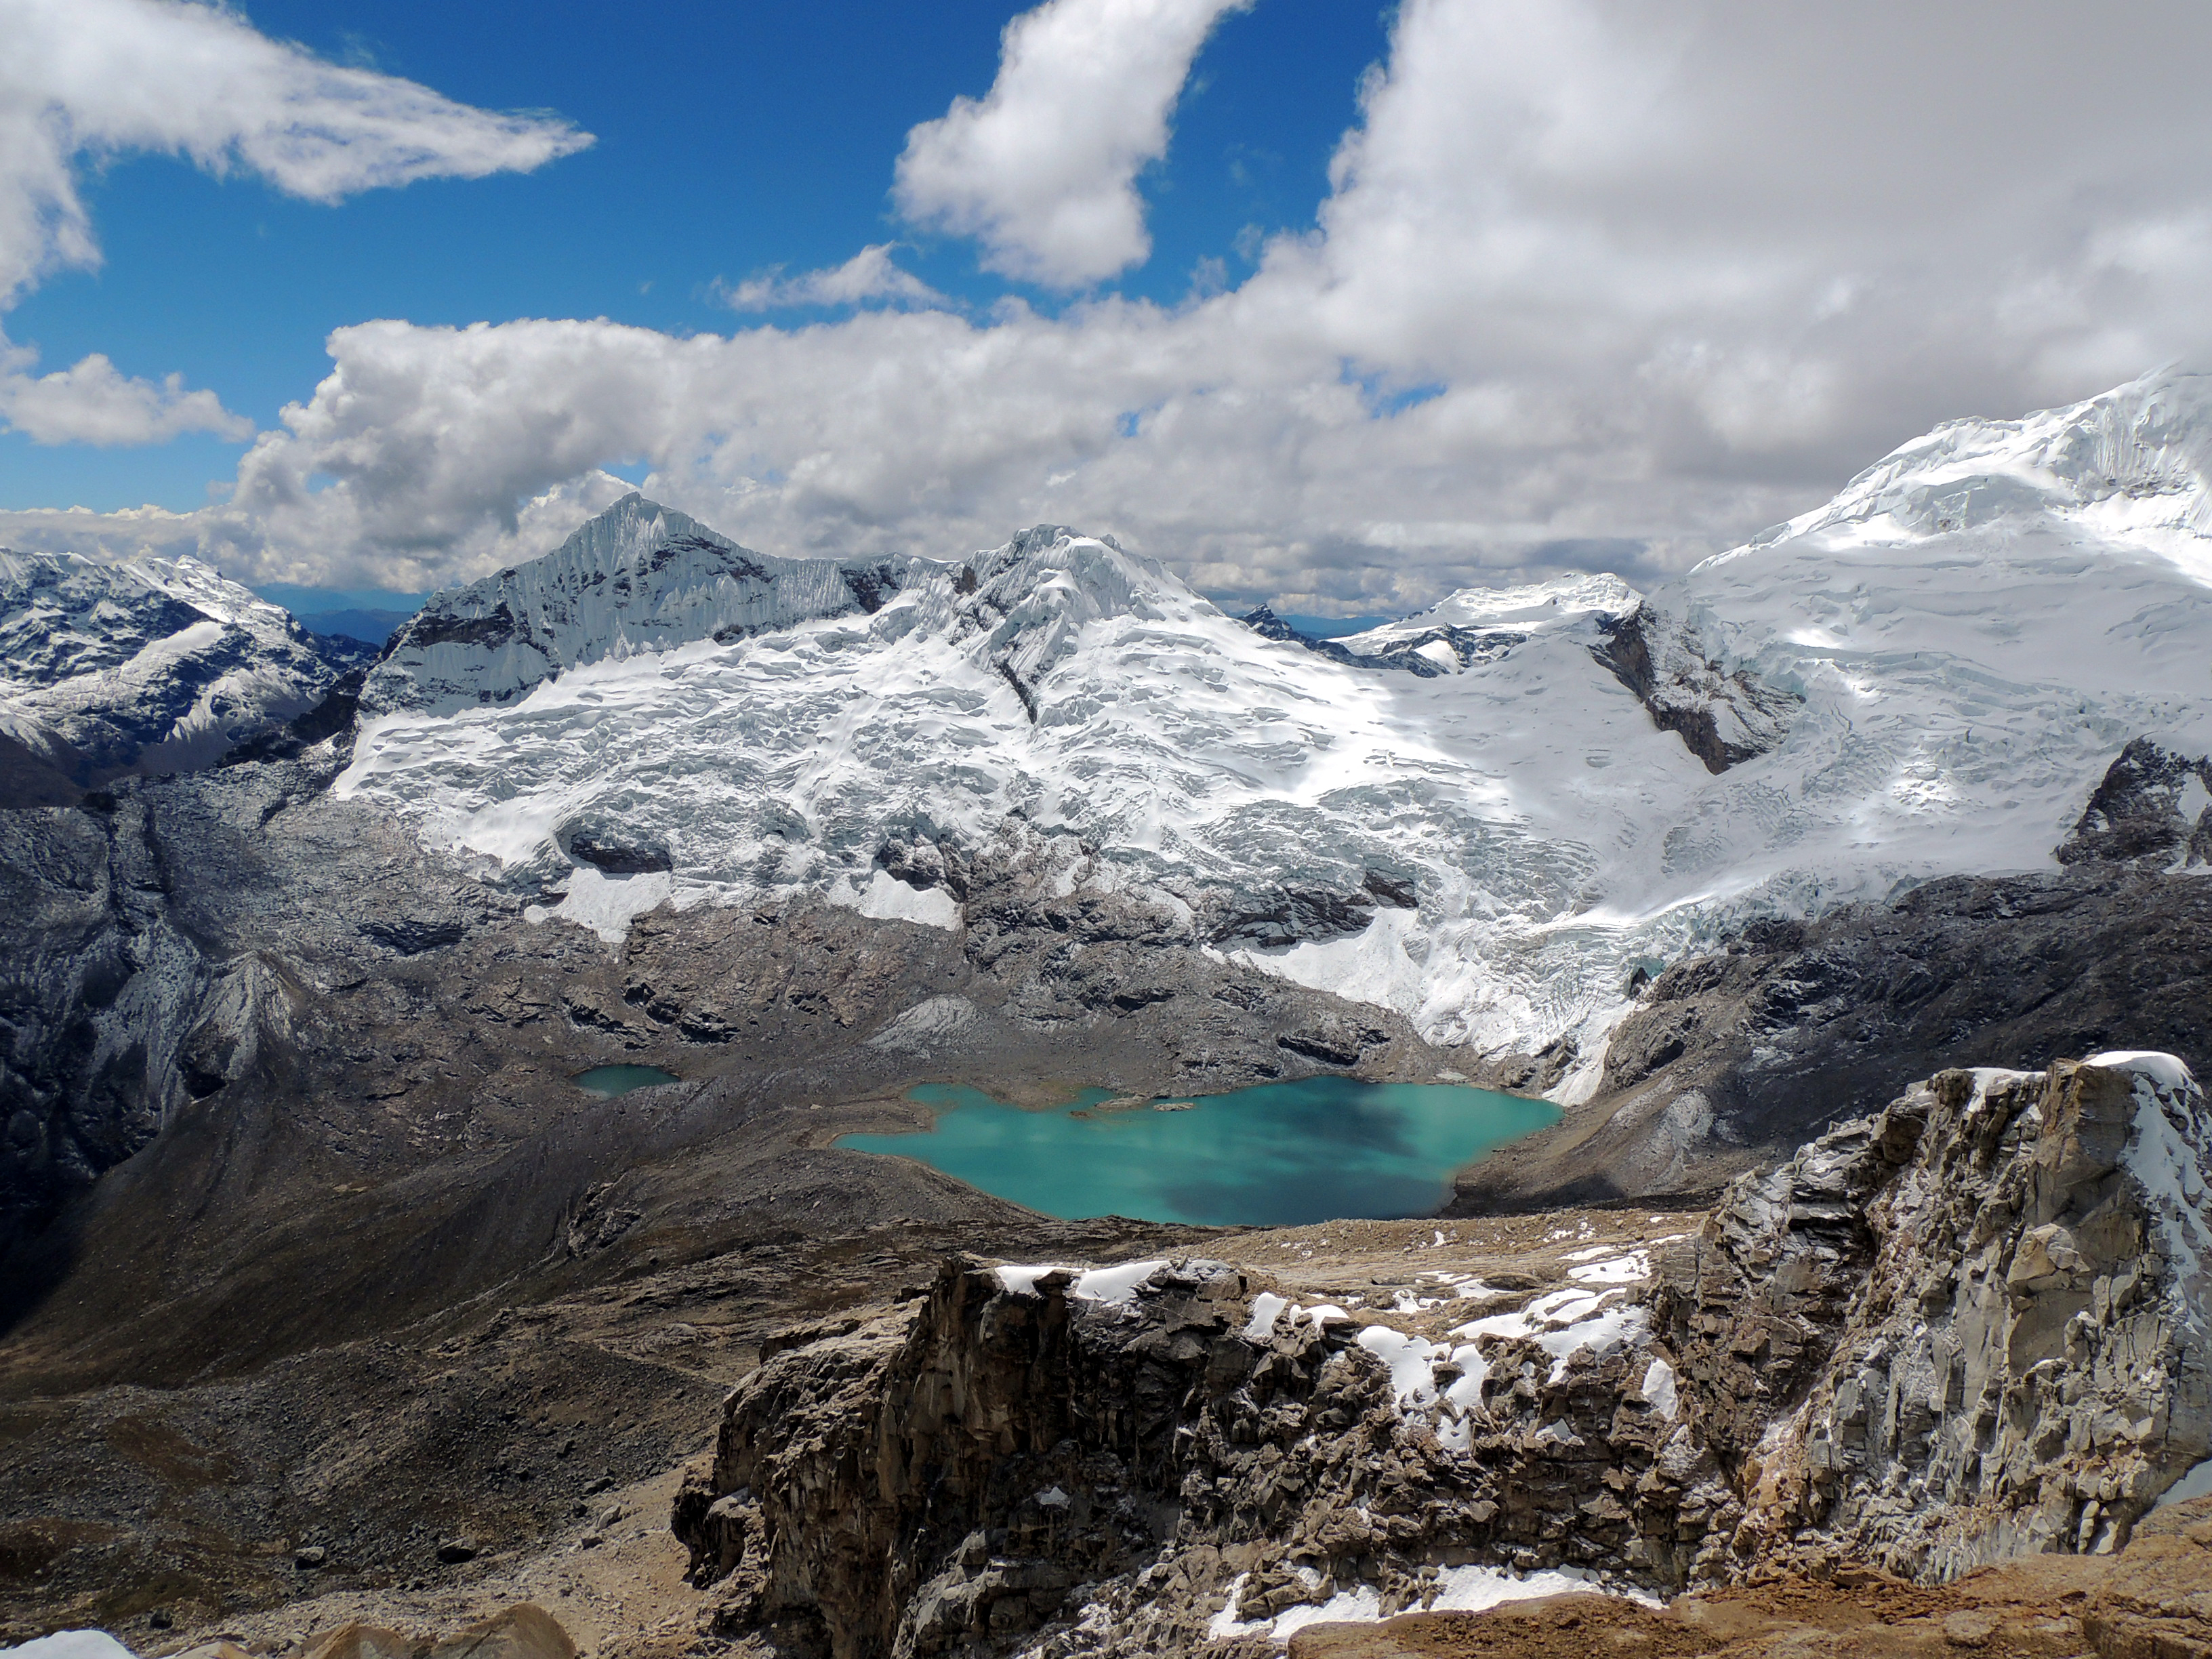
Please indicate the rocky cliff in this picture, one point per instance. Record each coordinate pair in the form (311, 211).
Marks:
(1969, 1327)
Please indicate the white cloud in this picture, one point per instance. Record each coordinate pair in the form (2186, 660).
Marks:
(1043, 169)
(868, 275)
(99, 77)
(89, 79)
(91, 403)
(1678, 271)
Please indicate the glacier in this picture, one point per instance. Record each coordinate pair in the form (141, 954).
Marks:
(1926, 676)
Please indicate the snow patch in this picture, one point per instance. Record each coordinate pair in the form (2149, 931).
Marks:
(1459, 1590)
(608, 904)
(1412, 1360)
(1115, 1285)
(1563, 1322)
(1630, 1269)
(2169, 1071)
(1658, 1388)
(886, 898)
(2169, 1151)
(1266, 1307)
(71, 1644)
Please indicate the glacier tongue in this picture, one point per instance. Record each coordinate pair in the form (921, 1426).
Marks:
(1888, 693)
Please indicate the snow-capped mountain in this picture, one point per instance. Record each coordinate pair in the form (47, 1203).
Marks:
(150, 666)
(1930, 675)
(638, 578)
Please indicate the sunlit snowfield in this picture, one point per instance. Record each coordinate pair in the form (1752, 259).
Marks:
(1281, 1154)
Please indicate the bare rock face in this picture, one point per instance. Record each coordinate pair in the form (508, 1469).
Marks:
(1973, 1326)
(1722, 716)
(2154, 808)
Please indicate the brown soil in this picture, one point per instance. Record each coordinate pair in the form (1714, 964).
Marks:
(2153, 1601)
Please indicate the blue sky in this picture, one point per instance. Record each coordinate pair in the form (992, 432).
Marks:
(1336, 306)
(730, 138)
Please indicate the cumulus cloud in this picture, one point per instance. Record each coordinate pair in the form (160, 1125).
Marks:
(1598, 284)
(868, 275)
(1043, 169)
(92, 402)
(91, 79)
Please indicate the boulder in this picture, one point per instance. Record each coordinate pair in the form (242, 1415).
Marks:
(524, 1631)
(359, 1641)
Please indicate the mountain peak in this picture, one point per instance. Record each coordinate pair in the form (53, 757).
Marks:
(139, 665)
(2133, 461)
(637, 577)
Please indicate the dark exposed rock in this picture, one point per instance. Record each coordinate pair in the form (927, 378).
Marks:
(1729, 1059)
(411, 936)
(2142, 812)
(607, 853)
(1022, 687)
(1723, 717)
(1332, 1042)
(873, 585)
(1397, 892)
(433, 627)
(1295, 914)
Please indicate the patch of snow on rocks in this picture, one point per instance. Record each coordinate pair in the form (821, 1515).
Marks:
(2169, 1151)
(1266, 1309)
(71, 1644)
(1115, 1285)
(1658, 1388)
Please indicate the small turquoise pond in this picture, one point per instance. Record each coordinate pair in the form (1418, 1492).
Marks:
(1279, 1155)
(608, 1081)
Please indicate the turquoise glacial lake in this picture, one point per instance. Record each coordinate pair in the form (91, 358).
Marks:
(608, 1082)
(1282, 1154)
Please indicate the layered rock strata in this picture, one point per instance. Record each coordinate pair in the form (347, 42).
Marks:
(1969, 1327)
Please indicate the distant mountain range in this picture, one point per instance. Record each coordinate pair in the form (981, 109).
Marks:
(369, 626)
(1492, 816)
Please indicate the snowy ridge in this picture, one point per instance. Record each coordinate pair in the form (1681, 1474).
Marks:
(2136, 461)
(1571, 603)
(1879, 699)
(152, 665)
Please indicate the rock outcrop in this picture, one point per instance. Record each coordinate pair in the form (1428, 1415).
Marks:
(1970, 1328)
(2152, 809)
(1973, 1326)
(1723, 716)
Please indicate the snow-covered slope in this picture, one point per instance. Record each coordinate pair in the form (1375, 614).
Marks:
(1928, 675)
(147, 666)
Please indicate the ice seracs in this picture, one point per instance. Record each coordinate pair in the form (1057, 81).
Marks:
(1928, 675)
